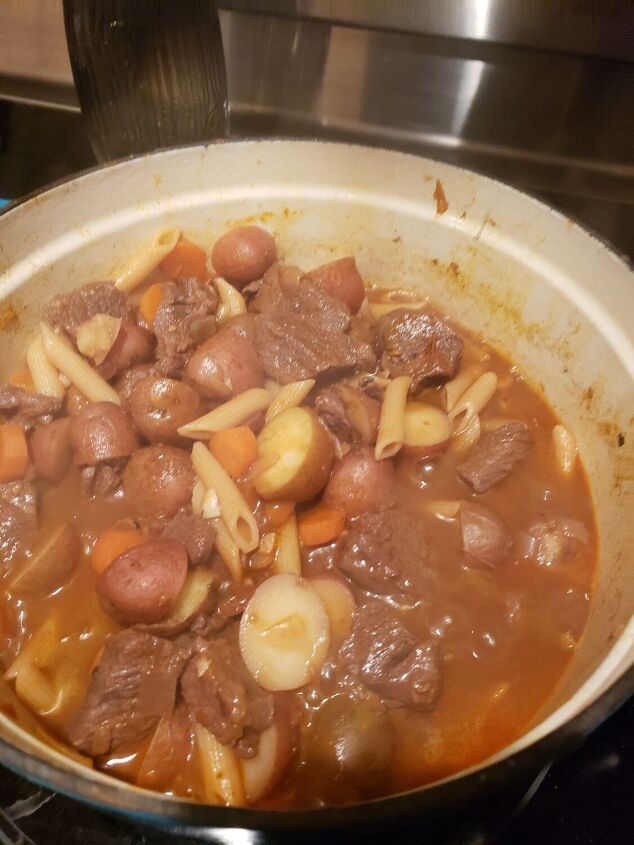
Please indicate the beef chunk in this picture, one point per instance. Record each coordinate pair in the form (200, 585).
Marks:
(169, 750)
(25, 408)
(186, 307)
(72, 309)
(386, 554)
(132, 687)
(101, 479)
(485, 537)
(332, 412)
(417, 344)
(224, 697)
(493, 458)
(18, 517)
(386, 657)
(553, 541)
(193, 532)
(349, 413)
(303, 333)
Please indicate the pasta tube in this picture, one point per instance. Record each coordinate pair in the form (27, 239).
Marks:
(148, 257)
(231, 413)
(289, 396)
(234, 511)
(392, 420)
(77, 370)
(45, 376)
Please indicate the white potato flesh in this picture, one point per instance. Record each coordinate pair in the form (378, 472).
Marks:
(295, 455)
(284, 633)
(427, 429)
(339, 603)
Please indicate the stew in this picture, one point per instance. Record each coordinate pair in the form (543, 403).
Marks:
(280, 538)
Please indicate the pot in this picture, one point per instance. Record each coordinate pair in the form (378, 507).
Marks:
(554, 298)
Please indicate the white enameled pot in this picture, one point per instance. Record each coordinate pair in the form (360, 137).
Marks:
(554, 298)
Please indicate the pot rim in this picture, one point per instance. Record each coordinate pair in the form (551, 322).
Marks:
(113, 795)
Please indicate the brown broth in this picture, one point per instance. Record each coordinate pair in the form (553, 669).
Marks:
(507, 634)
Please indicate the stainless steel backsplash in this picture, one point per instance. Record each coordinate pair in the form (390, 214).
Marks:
(539, 98)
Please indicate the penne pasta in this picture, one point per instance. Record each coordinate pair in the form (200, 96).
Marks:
(148, 257)
(45, 377)
(288, 557)
(392, 420)
(231, 413)
(77, 370)
(289, 396)
(228, 550)
(34, 688)
(476, 397)
(232, 302)
(454, 389)
(235, 512)
(220, 770)
(39, 649)
(565, 448)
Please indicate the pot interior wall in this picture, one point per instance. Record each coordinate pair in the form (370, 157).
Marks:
(554, 299)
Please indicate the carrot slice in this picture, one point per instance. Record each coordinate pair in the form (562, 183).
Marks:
(150, 302)
(22, 378)
(320, 525)
(235, 449)
(277, 513)
(14, 452)
(186, 259)
(112, 543)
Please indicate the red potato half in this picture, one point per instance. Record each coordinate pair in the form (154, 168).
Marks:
(144, 583)
(360, 484)
(342, 280)
(160, 406)
(225, 365)
(284, 633)
(427, 430)
(295, 455)
(158, 480)
(51, 449)
(244, 254)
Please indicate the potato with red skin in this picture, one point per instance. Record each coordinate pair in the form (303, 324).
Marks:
(243, 255)
(133, 345)
(360, 484)
(158, 480)
(225, 365)
(160, 406)
(51, 449)
(142, 585)
(295, 455)
(74, 400)
(342, 280)
(102, 431)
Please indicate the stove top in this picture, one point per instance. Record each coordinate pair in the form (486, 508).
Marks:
(585, 799)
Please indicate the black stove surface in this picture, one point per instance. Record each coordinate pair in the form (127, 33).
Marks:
(585, 799)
